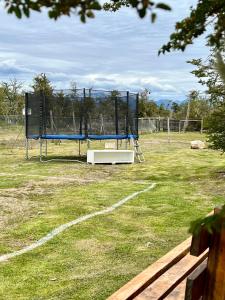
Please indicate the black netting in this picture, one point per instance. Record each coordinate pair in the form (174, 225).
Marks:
(82, 112)
(33, 114)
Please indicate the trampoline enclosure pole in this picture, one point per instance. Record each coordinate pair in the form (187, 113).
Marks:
(127, 116)
(26, 125)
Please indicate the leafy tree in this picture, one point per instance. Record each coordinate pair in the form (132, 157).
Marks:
(175, 107)
(2, 101)
(207, 12)
(163, 112)
(143, 104)
(12, 100)
(42, 83)
(209, 77)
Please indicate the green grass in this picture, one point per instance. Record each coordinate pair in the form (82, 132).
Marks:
(93, 259)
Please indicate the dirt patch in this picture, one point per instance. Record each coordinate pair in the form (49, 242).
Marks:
(93, 246)
(12, 209)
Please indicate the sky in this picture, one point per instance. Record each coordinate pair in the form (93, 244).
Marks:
(113, 51)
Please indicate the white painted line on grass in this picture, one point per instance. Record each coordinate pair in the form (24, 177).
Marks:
(63, 227)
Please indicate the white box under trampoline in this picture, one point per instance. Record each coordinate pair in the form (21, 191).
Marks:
(110, 156)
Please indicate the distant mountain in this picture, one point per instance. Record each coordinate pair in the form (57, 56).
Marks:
(167, 103)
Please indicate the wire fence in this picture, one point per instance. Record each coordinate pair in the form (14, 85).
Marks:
(12, 131)
(154, 125)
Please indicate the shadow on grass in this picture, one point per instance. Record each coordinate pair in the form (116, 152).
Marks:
(61, 158)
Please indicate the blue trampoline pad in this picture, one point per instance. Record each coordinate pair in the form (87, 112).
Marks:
(58, 136)
(111, 137)
(82, 137)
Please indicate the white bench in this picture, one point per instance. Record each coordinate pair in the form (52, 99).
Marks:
(110, 156)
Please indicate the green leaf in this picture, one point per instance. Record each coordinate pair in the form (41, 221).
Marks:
(26, 11)
(90, 14)
(82, 18)
(153, 17)
(17, 12)
(95, 5)
(163, 6)
(142, 12)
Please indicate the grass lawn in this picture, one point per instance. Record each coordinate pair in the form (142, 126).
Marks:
(93, 259)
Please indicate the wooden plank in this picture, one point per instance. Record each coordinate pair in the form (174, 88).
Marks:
(215, 288)
(178, 293)
(200, 242)
(196, 282)
(166, 283)
(136, 285)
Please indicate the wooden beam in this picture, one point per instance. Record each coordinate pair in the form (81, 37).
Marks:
(164, 285)
(200, 242)
(153, 272)
(215, 288)
(196, 282)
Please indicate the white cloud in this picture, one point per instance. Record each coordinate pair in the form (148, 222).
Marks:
(115, 50)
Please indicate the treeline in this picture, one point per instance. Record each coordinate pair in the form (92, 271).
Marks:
(195, 107)
(12, 94)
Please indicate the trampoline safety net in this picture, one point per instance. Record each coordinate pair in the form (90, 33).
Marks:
(81, 114)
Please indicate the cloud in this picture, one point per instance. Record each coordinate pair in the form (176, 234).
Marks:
(9, 68)
(113, 51)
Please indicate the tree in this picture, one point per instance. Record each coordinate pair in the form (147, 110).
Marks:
(42, 83)
(2, 101)
(212, 76)
(175, 107)
(209, 77)
(147, 107)
(12, 97)
(207, 12)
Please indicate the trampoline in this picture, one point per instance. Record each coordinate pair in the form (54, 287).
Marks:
(81, 115)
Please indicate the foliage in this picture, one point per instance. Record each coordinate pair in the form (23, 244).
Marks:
(146, 108)
(220, 66)
(207, 12)
(211, 223)
(199, 107)
(42, 83)
(11, 98)
(85, 9)
(209, 77)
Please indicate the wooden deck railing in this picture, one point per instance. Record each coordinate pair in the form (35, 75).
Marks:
(193, 270)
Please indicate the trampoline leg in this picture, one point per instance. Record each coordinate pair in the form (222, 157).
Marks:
(126, 144)
(79, 148)
(40, 141)
(88, 144)
(46, 148)
(117, 145)
(27, 149)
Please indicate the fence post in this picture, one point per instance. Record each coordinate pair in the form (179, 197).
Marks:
(202, 125)
(168, 128)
